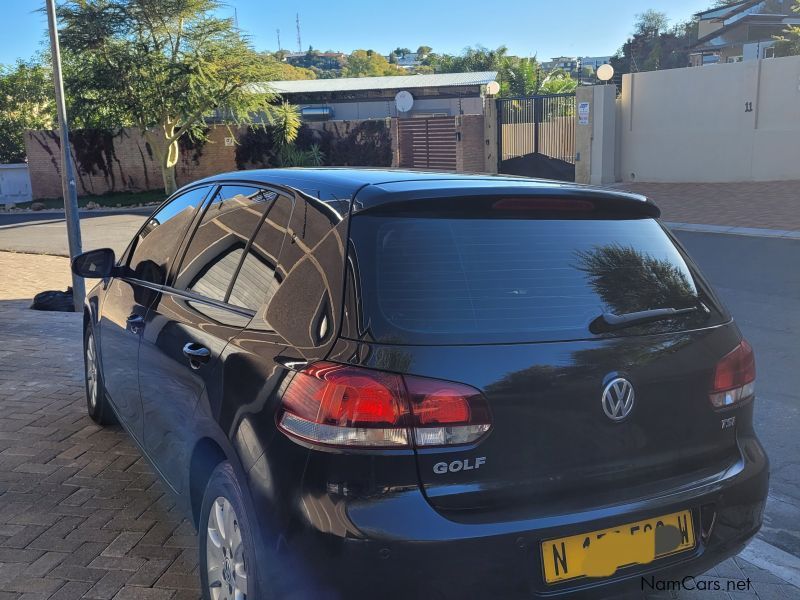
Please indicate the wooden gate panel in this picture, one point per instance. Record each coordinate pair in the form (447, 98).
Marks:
(428, 143)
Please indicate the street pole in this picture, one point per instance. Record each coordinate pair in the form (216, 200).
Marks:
(68, 188)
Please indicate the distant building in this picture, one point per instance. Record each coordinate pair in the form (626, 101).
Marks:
(567, 63)
(573, 64)
(409, 60)
(742, 31)
(594, 62)
(351, 98)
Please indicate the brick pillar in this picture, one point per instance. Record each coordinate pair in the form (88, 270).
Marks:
(490, 150)
(394, 134)
(469, 147)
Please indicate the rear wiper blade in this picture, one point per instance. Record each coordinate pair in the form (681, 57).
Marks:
(610, 322)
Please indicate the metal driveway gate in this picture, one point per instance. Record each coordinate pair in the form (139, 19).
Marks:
(536, 136)
(428, 143)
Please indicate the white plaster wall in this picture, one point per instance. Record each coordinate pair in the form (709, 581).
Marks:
(693, 125)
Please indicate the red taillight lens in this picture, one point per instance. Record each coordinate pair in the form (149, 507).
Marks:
(446, 413)
(734, 377)
(340, 405)
(345, 406)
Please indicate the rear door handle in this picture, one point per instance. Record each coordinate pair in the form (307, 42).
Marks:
(135, 323)
(196, 354)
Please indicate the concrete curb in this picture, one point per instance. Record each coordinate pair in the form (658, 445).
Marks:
(748, 231)
(778, 562)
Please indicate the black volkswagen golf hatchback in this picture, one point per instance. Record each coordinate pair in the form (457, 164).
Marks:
(377, 382)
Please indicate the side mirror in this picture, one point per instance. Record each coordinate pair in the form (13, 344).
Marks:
(95, 264)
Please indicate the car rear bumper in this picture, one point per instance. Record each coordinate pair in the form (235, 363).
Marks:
(397, 545)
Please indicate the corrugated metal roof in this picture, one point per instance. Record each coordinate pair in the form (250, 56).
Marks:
(348, 84)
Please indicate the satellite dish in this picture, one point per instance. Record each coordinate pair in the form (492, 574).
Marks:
(492, 88)
(605, 72)
(403, 100)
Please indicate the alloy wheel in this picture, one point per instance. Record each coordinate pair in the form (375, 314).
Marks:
(91, 372)
(227, 576)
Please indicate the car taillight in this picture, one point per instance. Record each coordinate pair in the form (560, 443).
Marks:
(445, 413)
(341, 405)
(734, 377)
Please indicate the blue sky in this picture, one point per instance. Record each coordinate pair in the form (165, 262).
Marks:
(543, 27)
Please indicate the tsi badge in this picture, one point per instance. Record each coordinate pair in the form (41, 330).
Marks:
(468, 464)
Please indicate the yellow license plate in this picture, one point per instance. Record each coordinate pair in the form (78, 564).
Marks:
(601, 553)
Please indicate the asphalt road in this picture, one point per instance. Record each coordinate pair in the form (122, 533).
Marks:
(757, 277)
(759, 280)
(45, 232)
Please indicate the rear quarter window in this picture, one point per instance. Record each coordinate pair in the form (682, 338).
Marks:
(475, 280)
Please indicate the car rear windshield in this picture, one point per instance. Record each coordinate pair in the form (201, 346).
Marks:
(472, 280)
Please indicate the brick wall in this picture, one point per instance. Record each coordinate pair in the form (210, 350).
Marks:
(125, 162)
(121, 162)
(470, 151)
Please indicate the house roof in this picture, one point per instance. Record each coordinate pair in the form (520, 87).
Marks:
(768, 18)
(348, 84)
(727, 11)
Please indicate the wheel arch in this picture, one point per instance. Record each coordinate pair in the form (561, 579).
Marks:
(91, 310)
(206, 455)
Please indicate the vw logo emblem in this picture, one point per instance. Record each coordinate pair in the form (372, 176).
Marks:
(617, 400)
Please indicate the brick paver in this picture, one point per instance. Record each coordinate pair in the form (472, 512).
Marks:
(81, 513)
(770, 205)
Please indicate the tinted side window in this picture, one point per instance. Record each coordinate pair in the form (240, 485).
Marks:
(158, 241)
(220, 241)
(257, 279)
(305, 308)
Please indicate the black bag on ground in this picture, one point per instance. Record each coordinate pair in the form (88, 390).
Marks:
(53, 300)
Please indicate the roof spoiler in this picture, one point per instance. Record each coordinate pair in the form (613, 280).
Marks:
(555, 201)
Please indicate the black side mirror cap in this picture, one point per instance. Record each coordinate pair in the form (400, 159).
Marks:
(95, 264)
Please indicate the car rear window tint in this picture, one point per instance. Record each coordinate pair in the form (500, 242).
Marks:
(218, 244)
(440, 279)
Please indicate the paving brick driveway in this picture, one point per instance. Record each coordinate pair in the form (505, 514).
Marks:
(81, 513)
(766, 204)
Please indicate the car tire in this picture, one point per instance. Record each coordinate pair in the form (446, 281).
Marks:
(227, 541)
(97, 404)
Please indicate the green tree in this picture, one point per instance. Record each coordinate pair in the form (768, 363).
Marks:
(26, 102)
(368, 63)
(655, 45)
(423, 51)
(162, 66)
(284, 71)
(520, 76)
(558, 81)
(475, 58)
(651, 22)
(789, 43)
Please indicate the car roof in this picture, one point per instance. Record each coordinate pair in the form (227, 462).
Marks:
(368, 187)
